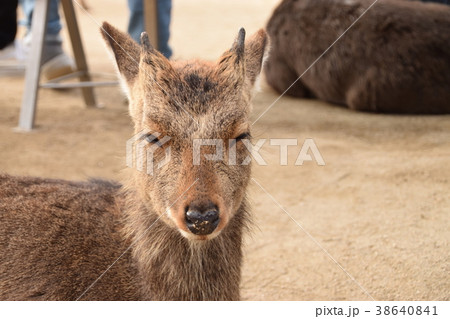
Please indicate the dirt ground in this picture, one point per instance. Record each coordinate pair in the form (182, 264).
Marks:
(379, 207)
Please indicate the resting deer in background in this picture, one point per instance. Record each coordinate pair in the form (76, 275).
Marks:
(395, 59)
(184, 223)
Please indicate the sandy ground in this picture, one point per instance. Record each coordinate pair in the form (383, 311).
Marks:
(379, 207)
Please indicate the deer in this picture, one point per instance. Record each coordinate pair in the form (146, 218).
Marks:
(175, 234)
(394, 59)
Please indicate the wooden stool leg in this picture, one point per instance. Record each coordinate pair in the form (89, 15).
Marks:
(33, 66)
(78, 51)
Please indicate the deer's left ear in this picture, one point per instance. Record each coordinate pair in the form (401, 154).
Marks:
(256, 50)
(126, 52)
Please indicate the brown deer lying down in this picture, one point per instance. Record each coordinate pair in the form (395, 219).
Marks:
(395, 59)
(57, 237)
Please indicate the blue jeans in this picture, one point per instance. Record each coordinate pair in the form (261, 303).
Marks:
(52, 40)
(136, 23)
(53, 23)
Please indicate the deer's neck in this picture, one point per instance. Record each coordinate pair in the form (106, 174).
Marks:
(172, 267)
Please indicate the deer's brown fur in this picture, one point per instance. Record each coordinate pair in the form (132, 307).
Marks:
(58, 237)
(395, 59)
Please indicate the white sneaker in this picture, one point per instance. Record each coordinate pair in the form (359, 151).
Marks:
(8, 53)
(12, 59)
(58, 66)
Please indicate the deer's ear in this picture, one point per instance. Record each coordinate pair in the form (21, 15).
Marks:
(245, 59)
(231, 63)
(256, 51)
(125, 50)
(152, 60)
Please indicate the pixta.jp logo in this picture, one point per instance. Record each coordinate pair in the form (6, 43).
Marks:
(140, 150)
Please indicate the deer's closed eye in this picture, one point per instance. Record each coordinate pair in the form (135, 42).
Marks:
(245, 135)
(241, 137)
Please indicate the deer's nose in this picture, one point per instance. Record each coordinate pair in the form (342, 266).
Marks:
(202, 217)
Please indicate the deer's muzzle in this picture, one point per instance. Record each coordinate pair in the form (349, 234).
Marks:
(202, 218)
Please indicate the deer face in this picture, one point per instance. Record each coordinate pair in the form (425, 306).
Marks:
(194, 117)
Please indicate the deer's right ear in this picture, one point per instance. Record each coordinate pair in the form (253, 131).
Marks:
(256, 49)
(126, 52)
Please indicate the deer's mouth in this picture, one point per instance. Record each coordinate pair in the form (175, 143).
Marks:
(199, 238)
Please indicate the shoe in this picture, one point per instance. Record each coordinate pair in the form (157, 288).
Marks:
(8, 53)
(55, 62)
(12, 59)
(57, 66)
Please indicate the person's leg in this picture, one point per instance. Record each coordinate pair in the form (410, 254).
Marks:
(27, 8)
(53, 23)
(164, 16)
(55, 62)
(8, 22)
(54, 20)
(53, 41)
(136, 24)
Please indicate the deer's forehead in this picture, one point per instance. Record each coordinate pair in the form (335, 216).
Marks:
(197, 103)
(200, 87)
